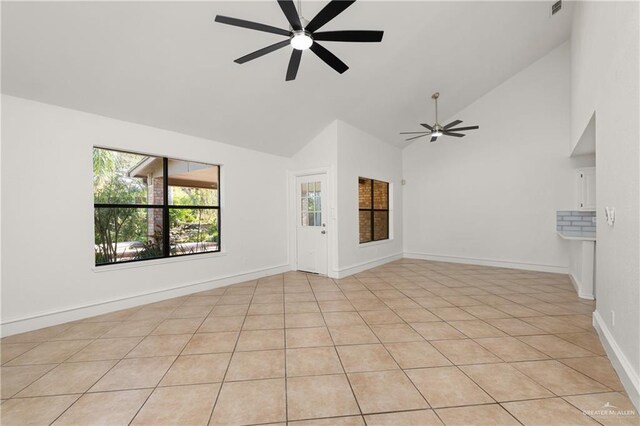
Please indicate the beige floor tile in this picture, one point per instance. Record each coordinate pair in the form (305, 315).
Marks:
(178, 326)
(50, 352)
(587, 340)
(197, 369)
(263, 322)
(464, 351)
(545, 412)
(598, 368)
(418, 417)
(308, 337)
(384, 391)
(388, 333)
(105, 349)
(416, 355)
(301, 307)
(518, 311)
(132, 329)
(236, 397)
(85, 331)
(476, 328)
(332, 421)
(105, 408)
(235, 299)
(381, 317)
(452, 314)
(191, 312)
(559, 378)
(204, 343)
(68, 378)
(552, 325)
(352, 335)
(220, 324)
(510, 349)
(335, 306)
(447, 387)
(336, 319)
(320, 396)
(416, 315)
(36, 336)
(267, 308)
(555, 347)
(360, 358)
(485, 312)
(515, 327)
(14, 379)
(134, 373)
(310, 319)
(256, 365)
(256, 340)
(228, 311)
(266, 298)
(313, 361)
(180, 405)
(34, 411)
(306, 296)
(9, 351)
(479, 415)
(611, 408)
(160, 346)
(437, 330)
(505, 383)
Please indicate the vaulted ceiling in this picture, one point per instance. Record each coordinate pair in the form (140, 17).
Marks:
(168, 65)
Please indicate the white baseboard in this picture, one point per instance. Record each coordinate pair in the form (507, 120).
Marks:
(47, 319)
(354, 269)
(628, 376)
(576, 286)
(489, 262)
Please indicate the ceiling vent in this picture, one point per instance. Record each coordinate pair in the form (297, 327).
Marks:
(555, 8)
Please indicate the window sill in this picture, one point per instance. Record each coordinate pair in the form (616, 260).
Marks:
(375, 243)
(153, 262)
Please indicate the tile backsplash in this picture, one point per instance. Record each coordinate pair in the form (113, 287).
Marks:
(573, 221)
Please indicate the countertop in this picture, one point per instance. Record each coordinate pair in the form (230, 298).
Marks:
(579, 236)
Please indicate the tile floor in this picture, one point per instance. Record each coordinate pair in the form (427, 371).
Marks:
(409, 343)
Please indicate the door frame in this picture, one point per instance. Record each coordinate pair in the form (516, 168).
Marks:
(331, 221)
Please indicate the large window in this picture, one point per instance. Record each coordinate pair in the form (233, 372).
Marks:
(374, 210)
(140, 215)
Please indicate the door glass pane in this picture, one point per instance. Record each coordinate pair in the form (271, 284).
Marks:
(304, 187)
(311, 199)
(311, 219)
(318, 219)
(380, 195)
(364, 193)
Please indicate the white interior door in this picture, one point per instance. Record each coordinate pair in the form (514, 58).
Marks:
(311, 228)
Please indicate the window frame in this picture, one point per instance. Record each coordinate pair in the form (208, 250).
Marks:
(166, 207)
(372, 211)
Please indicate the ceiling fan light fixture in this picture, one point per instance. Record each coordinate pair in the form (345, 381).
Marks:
(301, 40)
(436, 133)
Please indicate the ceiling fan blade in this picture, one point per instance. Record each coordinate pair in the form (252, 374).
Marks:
(294, 64)
(433, 139)
(251, 25)
(457, 135)
(460, 129)
(413, 133)
(291, 13)
(330, 11)
(453, 123)
(427, 126)
(351, 36)
(262, 52)
(416, 137)
(331, 59)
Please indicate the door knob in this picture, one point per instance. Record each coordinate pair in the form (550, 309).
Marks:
(323, 232)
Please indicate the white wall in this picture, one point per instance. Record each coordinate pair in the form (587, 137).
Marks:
(47, 212)
(362, 155)
(492, 196)
(605, 80)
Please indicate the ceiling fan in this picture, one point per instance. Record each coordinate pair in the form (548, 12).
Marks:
(302, 35)
(437, 130)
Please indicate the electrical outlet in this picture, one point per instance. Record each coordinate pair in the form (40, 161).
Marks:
(613, 319)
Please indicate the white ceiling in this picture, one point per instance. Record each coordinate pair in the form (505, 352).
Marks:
(168, 65)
